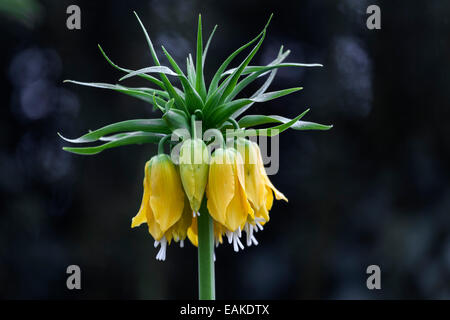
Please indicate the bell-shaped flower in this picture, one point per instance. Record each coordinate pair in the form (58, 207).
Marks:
(227, 199)
(163, 203)
(258, 187)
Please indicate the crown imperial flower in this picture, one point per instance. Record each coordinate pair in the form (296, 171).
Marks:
(163, 203)
(239, 193)
(227, 200)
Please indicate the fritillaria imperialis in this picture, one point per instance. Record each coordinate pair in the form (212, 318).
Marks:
(203, 197)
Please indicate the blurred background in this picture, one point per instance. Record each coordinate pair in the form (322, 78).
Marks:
(373, 190)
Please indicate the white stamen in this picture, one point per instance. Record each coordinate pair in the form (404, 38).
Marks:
(161, 256)
(259, 225)
(181, 243)
(196, 214)
(233, 238)
(249, 229)
(229, 236)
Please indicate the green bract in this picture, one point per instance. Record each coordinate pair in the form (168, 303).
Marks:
(216, 105)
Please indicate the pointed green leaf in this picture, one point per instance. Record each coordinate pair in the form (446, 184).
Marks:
(255, 120)
(121, 140)
(145, 76)
(192, 98)
(207, 46)
(146, 125)
(134, 92)
(199, 80)
(190, 69)
(215, 81)
(156, 69)
(251, 69)
(169, 87)
(225, 111)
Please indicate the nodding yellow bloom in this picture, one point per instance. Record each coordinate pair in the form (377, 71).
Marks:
(258, 187)
(227, 199)
(194, 159)
(163, 203)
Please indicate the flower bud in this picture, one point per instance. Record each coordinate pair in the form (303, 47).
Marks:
(194, 159)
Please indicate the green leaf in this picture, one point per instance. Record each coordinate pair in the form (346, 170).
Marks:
(237, 73)
(215, 81)
(169, 87)
(255, 120)
(199, 80)
(121, 140)
(270, 132)
(176, 119)
(146, 125)
(192, 98)
(145, 76)
(250, 78)
(225, 111)
(190, 69)
(169, 105)
(156, 69)
(207, 46)
(139, 93)
(251, 69)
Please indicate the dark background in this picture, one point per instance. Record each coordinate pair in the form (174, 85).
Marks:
(373, 190)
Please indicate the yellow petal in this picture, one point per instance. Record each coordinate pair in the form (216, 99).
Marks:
(254, 182)
(192, 232)
(278, 194)
(221, 184)
(166, 195)
(239, 207)
(179, 229)
(141, 216)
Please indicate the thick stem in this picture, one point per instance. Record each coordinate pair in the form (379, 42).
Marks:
(206, 280)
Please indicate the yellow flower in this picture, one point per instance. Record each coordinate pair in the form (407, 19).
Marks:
(227, 200)
(194, 158)
(163, 203)
(258, 187)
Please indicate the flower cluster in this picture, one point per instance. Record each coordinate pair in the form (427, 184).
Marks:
(238, 192)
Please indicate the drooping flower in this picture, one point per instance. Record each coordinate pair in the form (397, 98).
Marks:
(163, 203)
(194, 159)
(258, 187)
(227, 200)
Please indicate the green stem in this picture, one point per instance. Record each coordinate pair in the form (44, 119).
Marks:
(193, 128)
(161, 143)
(206, 282)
